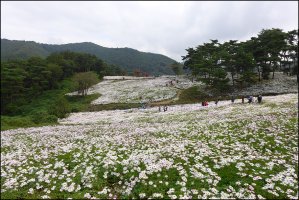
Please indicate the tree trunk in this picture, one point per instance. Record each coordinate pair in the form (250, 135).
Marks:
(259, 71)
(273, 70)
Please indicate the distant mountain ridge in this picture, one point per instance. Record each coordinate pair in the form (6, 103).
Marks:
(126, 58)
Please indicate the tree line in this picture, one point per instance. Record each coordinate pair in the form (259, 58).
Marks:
(246, 62)
(23, 80)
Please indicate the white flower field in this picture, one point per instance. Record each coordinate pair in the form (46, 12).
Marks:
(130, 91)
(224, 151)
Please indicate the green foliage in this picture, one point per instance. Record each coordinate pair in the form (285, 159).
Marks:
(177, 68)
(60, 107)
(84, 81)
(43, 117)
(81, 103)
(192, 95)
(248, 60)
(46, 108)
(15, 122)
(22, 81)
(112, 106)
(57, 74)
(249, 77)
(205, 64)
(124, 59)
(267, 49)
(34, 88)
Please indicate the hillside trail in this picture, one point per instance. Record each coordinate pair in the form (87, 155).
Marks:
(167, 101)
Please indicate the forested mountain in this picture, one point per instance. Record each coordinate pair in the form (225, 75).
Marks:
(126, 58)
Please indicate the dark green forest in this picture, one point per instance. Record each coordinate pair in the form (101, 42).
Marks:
(126, 58)
(246, 62)
(24, 82)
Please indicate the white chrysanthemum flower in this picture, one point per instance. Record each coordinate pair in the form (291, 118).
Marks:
(142, 195)
(87, 195)
(31, 191)
(45, 197)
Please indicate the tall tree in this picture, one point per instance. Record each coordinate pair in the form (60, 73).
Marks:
(228, 56)
(84, 81)
(272, 41)
(292, 44)
(177, 68)
(12, 88)
(204, 62)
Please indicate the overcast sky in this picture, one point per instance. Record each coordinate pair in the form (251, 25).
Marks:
(158, 27)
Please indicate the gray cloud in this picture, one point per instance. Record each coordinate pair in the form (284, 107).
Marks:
(159, 27)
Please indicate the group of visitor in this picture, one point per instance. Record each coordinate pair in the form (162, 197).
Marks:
(250, 99)
(171, 83)
(165, 107)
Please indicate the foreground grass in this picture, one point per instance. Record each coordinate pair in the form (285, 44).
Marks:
(243, 151)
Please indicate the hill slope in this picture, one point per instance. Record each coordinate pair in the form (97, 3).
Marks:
(126, 58)
(224, 151)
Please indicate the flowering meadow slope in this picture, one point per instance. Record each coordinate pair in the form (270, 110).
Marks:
(130, 91)
(225, 151)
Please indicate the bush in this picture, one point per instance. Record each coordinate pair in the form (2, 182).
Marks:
(15, 122)
(51, 119)
(60, 108)
(43, 117)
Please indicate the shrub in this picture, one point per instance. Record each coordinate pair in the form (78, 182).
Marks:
(60, 108)
(15, 122)
(51, 119)
(43, 117)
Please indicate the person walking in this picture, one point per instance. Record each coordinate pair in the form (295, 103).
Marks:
(250, 99)
(242, 99)
(206, 103)
(216, 102)
(233, 99)
(165, 108)
(259, 99)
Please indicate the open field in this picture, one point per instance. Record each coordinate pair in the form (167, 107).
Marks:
(225, 151)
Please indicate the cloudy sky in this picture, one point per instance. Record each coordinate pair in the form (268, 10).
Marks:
(159, 27)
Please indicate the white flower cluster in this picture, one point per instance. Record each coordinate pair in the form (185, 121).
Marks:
(129, 90)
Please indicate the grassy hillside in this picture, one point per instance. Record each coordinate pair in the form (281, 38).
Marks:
(126, 58)
(12, 50)
(40, 110)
